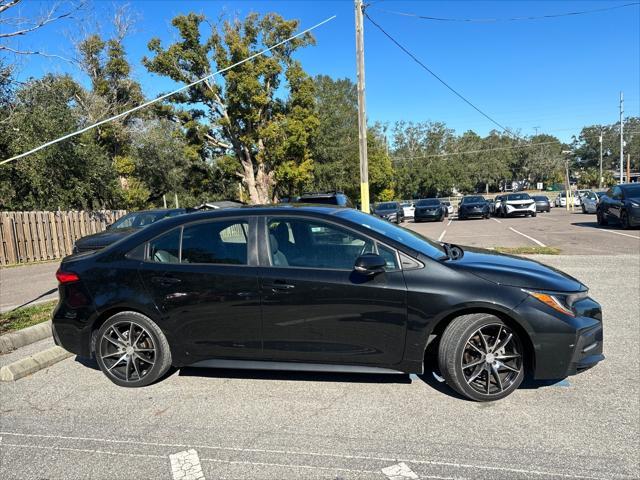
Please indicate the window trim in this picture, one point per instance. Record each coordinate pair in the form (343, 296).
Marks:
(265, 233)
(250, 221)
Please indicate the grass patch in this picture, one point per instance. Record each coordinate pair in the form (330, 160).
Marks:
(25, 317)
(528, 250)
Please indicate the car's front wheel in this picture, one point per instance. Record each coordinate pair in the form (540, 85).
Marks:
(131, 350)
(481, 357)
(624, 220)
(601, 218)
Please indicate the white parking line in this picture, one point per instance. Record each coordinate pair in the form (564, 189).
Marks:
(527, 236)
(495, 220)
(186, 465)
(619, 233)
(450, 220)
(442, 235)
(387, 458)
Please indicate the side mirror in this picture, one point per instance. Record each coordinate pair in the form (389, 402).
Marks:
(370, 264)
(108, 227)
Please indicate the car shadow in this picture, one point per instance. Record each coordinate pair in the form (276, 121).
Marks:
(612, 226)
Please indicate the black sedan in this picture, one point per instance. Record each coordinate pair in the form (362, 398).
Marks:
(391, 211)
(542, 203)
(620, 204)
(122, 227)
(473, 206)
(321, 288)
(430, 209)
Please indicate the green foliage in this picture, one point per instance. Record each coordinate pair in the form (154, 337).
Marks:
(248, 113)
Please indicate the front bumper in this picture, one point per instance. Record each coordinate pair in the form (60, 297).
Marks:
(543, 207)
(563, 345)
(634, 216)
(520, 209)
(427, 215)
(473, 212)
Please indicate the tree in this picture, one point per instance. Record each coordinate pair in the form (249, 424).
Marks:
(72, 174)
(248, 113)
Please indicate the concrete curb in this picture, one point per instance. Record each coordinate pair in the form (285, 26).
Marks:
(38, 361)
(26, 336)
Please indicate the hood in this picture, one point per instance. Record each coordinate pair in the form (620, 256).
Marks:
(102, 239)
(386, 211)
(514, 271)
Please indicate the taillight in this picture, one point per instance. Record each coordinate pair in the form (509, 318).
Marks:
(66, 277)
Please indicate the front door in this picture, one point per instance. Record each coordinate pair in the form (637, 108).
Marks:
(316, 308)
(204, 283)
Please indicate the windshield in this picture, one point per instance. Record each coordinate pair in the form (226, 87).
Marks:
(138, 219)
(631, 190)
(518, 196)
(387, 206)
(474, 199)
(429, 202)
(406, 237)
(540, 198)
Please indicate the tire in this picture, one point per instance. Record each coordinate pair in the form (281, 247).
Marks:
(464, 339)
(584, 210)
(534, 214)
(442, 218)
(624, 221)
(142, 366)
(601, 219)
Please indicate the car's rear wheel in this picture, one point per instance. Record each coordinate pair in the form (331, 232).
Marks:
(481, 357)
(131, 350)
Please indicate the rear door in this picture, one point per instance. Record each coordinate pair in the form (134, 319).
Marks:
(203, 279)
(316, 308)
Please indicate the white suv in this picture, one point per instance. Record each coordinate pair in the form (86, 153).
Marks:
(517, 204)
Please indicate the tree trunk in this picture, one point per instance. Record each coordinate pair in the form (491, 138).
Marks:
(258, 181)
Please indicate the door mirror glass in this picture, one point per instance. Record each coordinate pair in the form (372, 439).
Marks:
(370, 264)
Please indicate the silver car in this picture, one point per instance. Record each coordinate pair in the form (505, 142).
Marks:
(590, 201)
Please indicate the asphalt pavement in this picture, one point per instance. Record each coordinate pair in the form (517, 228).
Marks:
(70, 422)
(28, 284)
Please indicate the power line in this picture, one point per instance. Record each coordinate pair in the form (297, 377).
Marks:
(166, 95)
(415, 59)
(482, 150)
(512, 19)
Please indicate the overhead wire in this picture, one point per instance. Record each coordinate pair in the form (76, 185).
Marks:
(436, 76)
(166, 95)
(511, 19)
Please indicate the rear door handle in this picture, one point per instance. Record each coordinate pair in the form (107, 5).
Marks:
(165, 281)
(280, 286)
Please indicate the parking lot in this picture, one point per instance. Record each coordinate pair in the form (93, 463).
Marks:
(69, 421)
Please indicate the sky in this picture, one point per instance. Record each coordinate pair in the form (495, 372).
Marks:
(551, 75)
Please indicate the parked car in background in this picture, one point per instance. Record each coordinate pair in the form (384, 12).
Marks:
(430, 209)
(542, 203)
(494, 205)
(517, 204)
(122, 227)
(447, 204)
(590, 201)
(473, 206)
(390, 211)
(408, 209)
(321, 288)
(561, 200)
(326, 198)
(620, 204)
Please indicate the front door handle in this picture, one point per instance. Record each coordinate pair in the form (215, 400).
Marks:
(165, 281)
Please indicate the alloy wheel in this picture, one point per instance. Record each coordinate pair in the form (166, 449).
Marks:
(492, 359)
(127, 351)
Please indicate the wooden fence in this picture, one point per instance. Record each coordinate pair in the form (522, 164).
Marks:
(27, 237)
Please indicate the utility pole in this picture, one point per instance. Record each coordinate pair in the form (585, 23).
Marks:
(621, 135)
(362, 115)
(628, 168)
(600, 140)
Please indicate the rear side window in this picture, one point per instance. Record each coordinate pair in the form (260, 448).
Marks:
(166, 248)
(221, 242)
(216, 242)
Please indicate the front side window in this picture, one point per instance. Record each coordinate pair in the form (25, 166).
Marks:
(298, 242)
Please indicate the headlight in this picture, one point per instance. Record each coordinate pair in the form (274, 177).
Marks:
(562, 303)
(635, 204)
